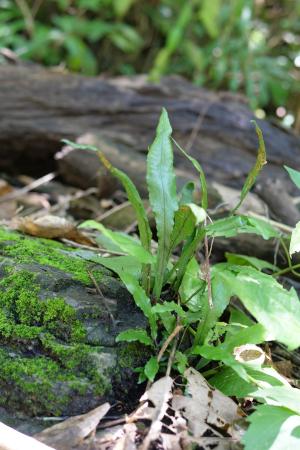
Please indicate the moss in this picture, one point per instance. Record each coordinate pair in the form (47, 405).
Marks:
(40, 385)
(48, 363)
(46, 252)
(21, 306)
(132, 354)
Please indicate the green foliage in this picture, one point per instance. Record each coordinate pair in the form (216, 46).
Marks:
(256, 169)
(162, 194)
(141, 299)
(235, 225)
(272, 427)
(294, 175)
(245, 260)
(266, 299)
(199, 169)
(295, 238)
(233, 44)
(188, 298)
(151, 368)
(135, 335)
(123, 241)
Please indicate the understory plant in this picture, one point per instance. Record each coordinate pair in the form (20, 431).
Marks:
(212, 317)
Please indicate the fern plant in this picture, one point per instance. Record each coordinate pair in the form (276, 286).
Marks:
(184, 301)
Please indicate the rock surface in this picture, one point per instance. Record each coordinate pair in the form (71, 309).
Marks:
(58, 354)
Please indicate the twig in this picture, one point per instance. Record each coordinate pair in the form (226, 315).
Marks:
(103, 298)
(30, 187)
(66, 201)
(113, 210)
(93, 249)
(172, 354)
(169, 339)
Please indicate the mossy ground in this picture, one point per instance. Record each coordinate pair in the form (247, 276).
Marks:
(43, 360)
(45, 252)
(46, 365)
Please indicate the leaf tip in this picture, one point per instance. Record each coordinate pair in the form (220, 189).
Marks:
(164, 125)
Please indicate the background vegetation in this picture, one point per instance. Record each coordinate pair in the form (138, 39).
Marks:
(250, 46)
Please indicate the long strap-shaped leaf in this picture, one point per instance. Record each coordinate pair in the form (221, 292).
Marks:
(127, 243)
(162, 194)
(254, 172)
(141, 299)
(131, 191)
(141, 215)
(198, 167)
(136, 202)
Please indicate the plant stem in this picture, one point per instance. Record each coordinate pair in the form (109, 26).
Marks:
(290, 267)
(185, 257)
(167, 342)
(286, 270)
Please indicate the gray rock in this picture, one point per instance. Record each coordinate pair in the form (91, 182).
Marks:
(58, 355)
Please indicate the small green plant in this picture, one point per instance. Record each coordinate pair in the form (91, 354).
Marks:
(185, 301)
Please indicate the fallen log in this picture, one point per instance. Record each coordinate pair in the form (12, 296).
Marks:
(39, 107)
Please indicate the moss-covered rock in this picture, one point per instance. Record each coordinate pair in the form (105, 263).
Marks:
(58, 354)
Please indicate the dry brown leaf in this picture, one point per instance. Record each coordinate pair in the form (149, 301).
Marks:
(207, 410)
(73, 431)
(127, 441)
(8, 208)
(203, 417)
(106, 438)
(52, 227)
(155, 407)
(35, 199)
(284, 367)
(5, 188)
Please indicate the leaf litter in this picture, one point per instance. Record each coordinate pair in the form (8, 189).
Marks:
(169, 417)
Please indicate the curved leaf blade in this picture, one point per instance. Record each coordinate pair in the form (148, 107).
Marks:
(162, 194)
(274, 307)
(294, 175)
(133, 335)
(135, 200)
(185, 220)
(125, 242)
(198, 167)
(261, 160)
(141, 299)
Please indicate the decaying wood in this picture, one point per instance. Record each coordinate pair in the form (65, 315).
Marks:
(39, 107)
